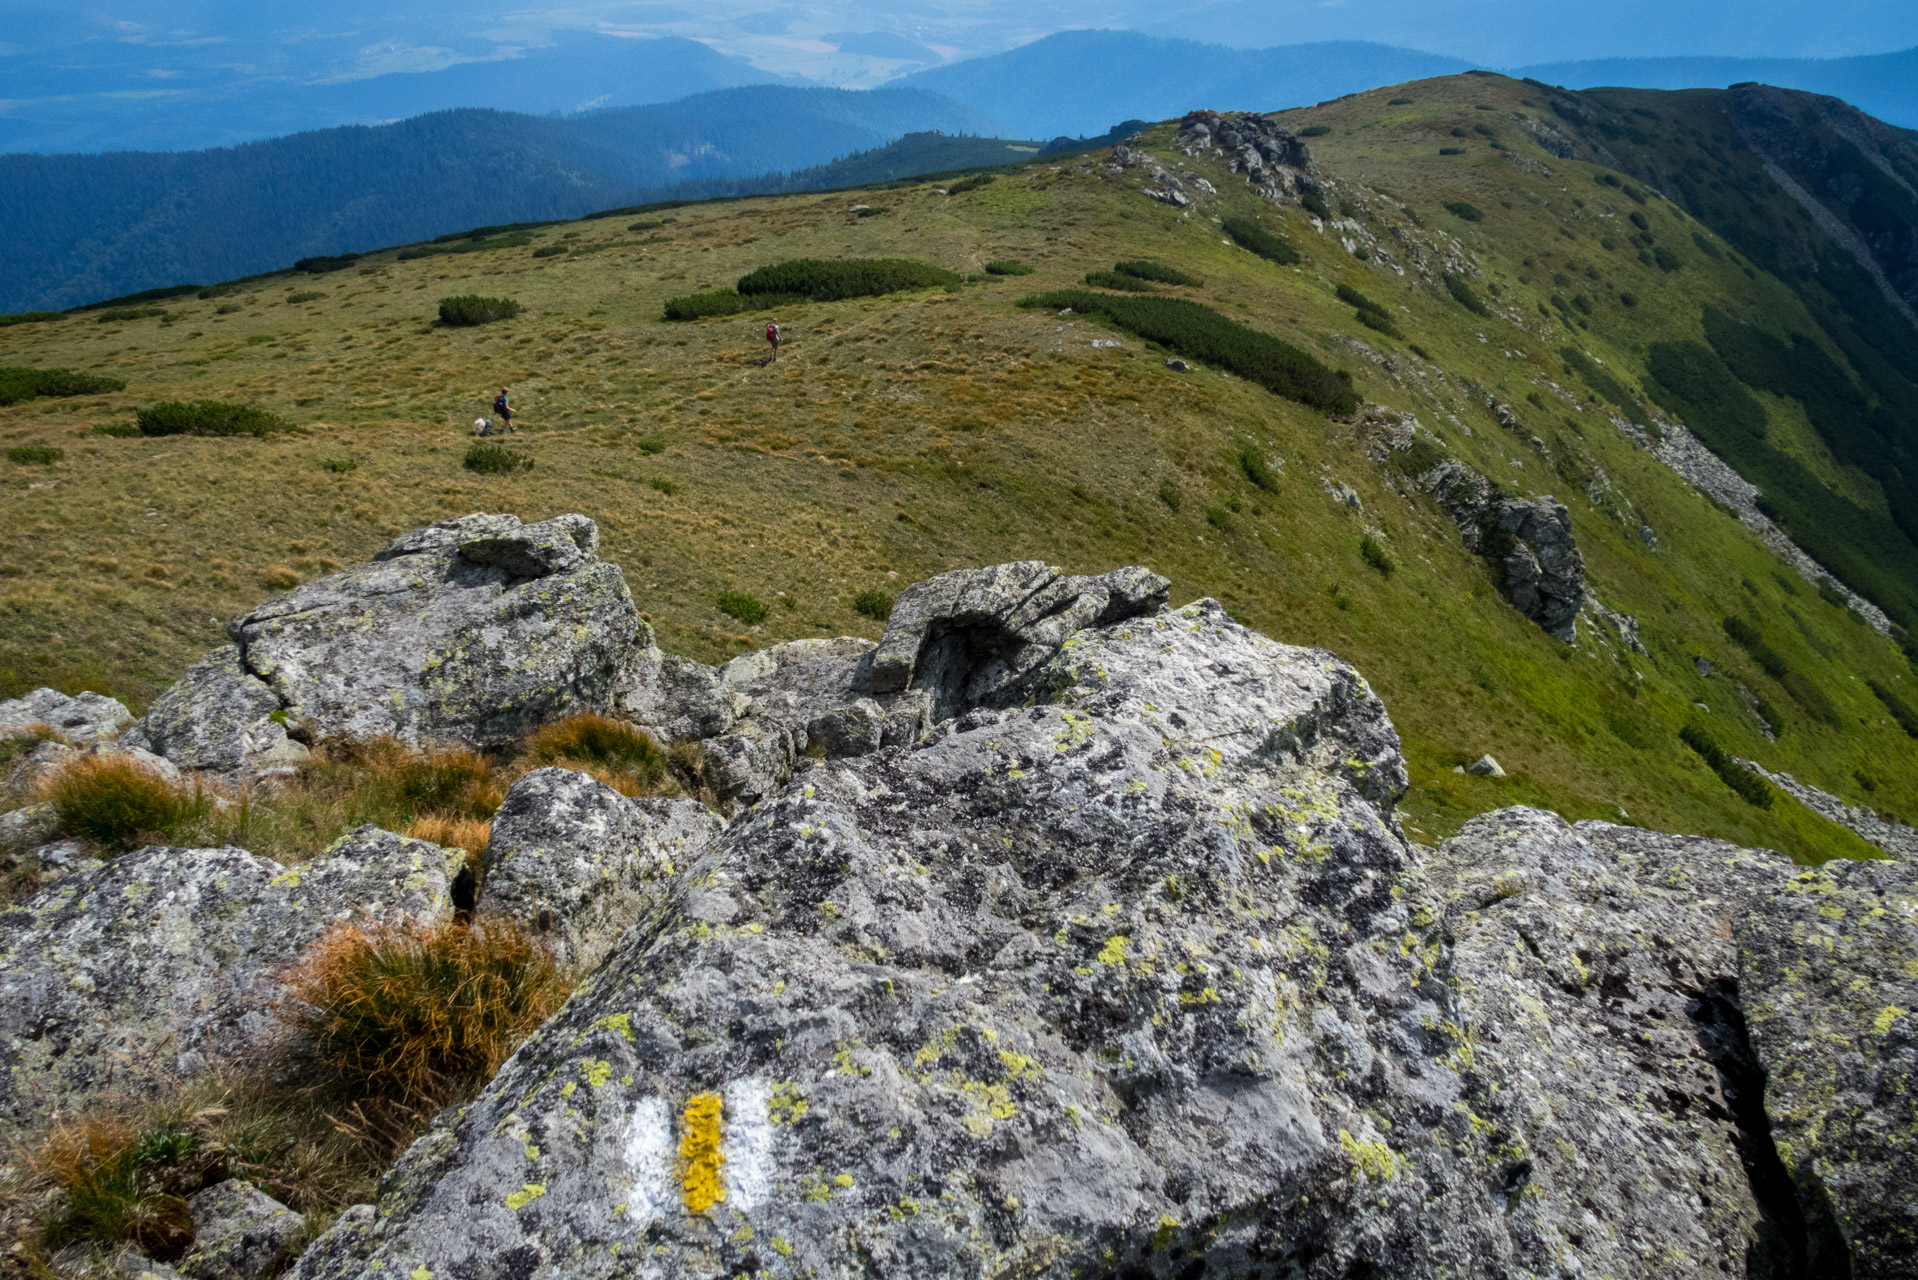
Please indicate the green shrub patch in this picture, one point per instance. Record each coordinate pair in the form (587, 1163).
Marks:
(1250, 235)
(1157, 272)
(874, 604)
(207, 418)
(1373, 554)
(492, 460)
(973, 183)
(1369, 313)
(24, 384)
(120, 315)
(1462, 293)
(28, 317)
(41, 455)
(737, 604)
(1794, 681)
(1006, 267)
(1747, 784)
(831, 280)
(1195, 330)
(1465, 210)
(1900, 710)
(1118, 280)
(1605, 384)
(1256, 469)
(470, 309)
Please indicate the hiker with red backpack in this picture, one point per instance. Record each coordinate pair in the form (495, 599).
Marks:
(772, 336)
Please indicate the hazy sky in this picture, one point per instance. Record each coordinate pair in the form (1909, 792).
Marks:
(868, 43)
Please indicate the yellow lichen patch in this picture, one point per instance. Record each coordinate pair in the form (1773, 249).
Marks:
(1114, 950)
(785, 1106)
(597, 1072)
(525, 1195)
(620, 1022)
(1374, 1159)
(699, 1155)
(1886, 1016)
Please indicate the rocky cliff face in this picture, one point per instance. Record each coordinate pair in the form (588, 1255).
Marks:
(1065, 933)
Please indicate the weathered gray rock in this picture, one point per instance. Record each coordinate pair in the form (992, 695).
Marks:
(220, 718)
(1529, 540)
(1485, 767)
(972, 636)
(576, 861)
(473, 630)
(81, 718)
(26, 828)
(1138, 977)
(1828, 977)
(238, 1232)
(39, 764)
(160, 961)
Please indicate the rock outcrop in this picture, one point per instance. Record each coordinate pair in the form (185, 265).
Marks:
(473, 631)
(160, 961)
(1271, 158)
(1528, 542)
(1125, 968)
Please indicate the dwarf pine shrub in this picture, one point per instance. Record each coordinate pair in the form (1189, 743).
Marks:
(1800, 686)
(467, 309)
(1250, 235)
(18, 384)
(1195, 330)
(30, 455)
(207, 418)
(1463, 294)
(1119, 281)
(1253, 466)
(1900, 710)
(1376, 556)
(1465, 210)
(874, 604)
(1754, 789)
(832, 280)
(1158, 272)
(1006, 267)
(737, 604)
(1369, 313)
(492, 459)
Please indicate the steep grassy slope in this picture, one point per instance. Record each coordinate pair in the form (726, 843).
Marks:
(900, 436)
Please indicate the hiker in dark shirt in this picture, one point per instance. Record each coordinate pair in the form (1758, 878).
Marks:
(504, 411)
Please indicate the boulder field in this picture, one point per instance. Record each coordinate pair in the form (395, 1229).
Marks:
(1061, 933)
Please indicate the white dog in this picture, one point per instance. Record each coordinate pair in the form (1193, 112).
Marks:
(482, 426)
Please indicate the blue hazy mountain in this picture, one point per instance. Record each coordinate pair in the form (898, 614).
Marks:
(1884, 85)
(1081, 82)
(84, 227)
(104, 96)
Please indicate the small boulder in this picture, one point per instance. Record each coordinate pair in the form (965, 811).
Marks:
(39, 764)
(1178, 366)
(155, 964)
(83, 718)
(238, 1232)
(25, 829)
(573, 859)
(1485, 767)
(220, 718)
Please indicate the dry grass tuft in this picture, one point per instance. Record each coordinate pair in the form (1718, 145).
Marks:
(118, 803)
(401, 1022)
(468, 834)
(612, 751)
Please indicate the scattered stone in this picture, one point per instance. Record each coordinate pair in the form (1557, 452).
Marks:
(1894, 838)
(84, 718)
(1178, 366)
(24, 829)
(577, 862)
(39, 764)
(1485, 767)
(238, 1232)
(160, 962)
(219, 718)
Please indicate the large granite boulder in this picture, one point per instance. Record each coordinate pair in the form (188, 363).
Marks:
(83, 718)
(160, 962)
(473, 631)
(1528, 541)
(574, 860)
(1135, 975)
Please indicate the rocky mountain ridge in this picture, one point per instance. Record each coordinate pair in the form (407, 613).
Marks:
(1061, 931)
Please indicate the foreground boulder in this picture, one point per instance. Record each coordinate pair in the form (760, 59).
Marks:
(1134, 974)
(472, 631)
(162, 961)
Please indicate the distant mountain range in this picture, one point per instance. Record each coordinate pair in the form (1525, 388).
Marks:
(1080, 82)
(102, 96)
(81, 228)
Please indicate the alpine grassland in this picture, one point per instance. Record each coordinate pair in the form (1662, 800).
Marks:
(1212, 433)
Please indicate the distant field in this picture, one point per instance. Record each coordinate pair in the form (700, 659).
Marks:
(897, 437)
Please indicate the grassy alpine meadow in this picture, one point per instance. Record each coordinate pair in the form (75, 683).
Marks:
(946, 426)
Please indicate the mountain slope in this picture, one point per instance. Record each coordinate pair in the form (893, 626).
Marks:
(1884, 84)
(1509, 330)
(88, 227)
(1081, 82)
